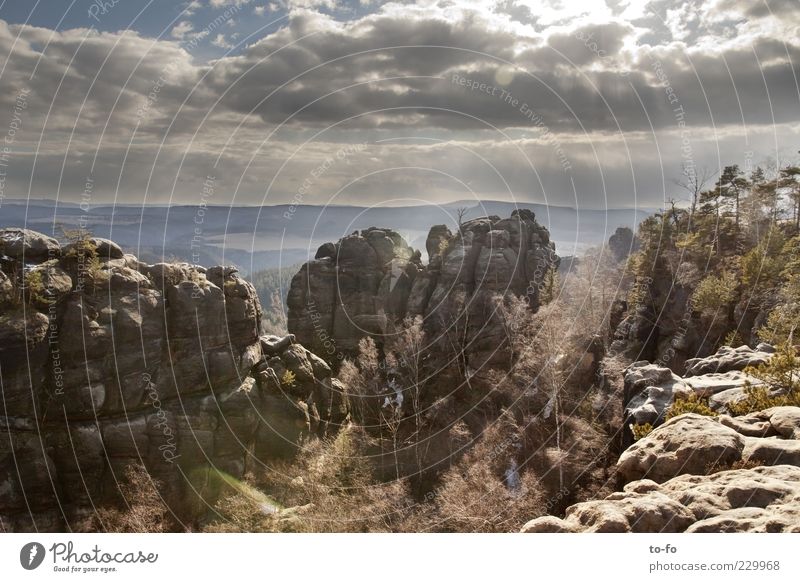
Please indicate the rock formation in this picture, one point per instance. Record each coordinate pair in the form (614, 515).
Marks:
(677, 479)
(729, 359)
(762, 499)
(106, 361)
(369, 281)
(650, 389)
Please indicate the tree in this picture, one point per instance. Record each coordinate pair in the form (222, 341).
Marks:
(790, 181)
(759, 207)
(410, 351)
(730, 187)
(461, 212)
(715, 293)
(694, 184)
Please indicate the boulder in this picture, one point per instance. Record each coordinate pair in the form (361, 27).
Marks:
(729, 359)
(649, 390)
(695, 444)
(785, 420)
(28, 246)
(54, 283)
(106, 250)
(689, 443)
(272, 345)
(761, 499)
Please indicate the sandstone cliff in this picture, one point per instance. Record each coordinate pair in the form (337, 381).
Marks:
(106, 361)
(369, 281)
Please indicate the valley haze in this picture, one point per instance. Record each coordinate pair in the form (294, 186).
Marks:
(263, 237)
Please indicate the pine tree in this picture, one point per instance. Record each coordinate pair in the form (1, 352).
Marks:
(730, 187)
(790, 181)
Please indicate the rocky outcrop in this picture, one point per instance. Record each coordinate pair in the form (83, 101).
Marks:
(663, 325)
(729, 359)
(107, 361)
(650, 389)
(369, 281)
(28, 246)
(360, 286)
(694, 444)
(761, 499)
(689, 443)
(683, 477)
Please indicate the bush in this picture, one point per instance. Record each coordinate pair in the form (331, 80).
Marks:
(714, 293)
(716, 466)
(781, 383)
(641, 430)
(762, 266)
(691, 403)
(733, 339)
(34, 289)
(782, 371)
(288, 380)
(83, 253)
(329, 487)
(784, 320)
(759, 398)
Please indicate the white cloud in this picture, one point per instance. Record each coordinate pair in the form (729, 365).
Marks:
(219, 41)
(182, 29)
(221, 3)
(192, 7)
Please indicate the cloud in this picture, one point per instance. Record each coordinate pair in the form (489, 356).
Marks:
(182, 29)
(604, 92)
(227, 3)
(219, 41)
(192, 7)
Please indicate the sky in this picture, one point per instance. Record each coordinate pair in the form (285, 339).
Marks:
(590, 104)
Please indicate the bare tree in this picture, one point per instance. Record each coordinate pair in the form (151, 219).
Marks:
(694, 184)
(461, 212)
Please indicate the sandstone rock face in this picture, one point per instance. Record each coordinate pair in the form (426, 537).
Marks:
(689, 443)
(762, 499)
(663, 326)
(28, 246)
(695, 444)
(116, 362)
(680, 479)
(368, 282)
(650, 389)
(358, 287)
(728, 359)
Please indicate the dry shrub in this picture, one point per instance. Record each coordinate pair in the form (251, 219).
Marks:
(482, 493)
(716, 466)
(144, 508)
(641, 430)
(328, 488)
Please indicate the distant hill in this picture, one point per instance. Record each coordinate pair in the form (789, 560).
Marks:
(256, 238)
